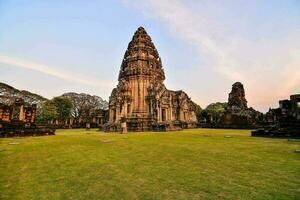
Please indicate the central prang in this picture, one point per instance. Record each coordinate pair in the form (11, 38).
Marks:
(141, 98)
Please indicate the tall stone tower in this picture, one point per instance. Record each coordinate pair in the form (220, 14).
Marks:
(141, 66)
(236, 98)
(140, 94)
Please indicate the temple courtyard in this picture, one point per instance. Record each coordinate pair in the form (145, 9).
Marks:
(188, 164)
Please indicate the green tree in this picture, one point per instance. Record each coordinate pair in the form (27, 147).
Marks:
(216, 107)
(46, 112)
(198, 111)
(63, 107)
(214, 111)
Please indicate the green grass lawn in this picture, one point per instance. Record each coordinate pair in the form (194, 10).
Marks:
(189, 164)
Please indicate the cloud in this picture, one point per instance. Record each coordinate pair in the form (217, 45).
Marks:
(264, 55)
(57, 72)
(195, 29)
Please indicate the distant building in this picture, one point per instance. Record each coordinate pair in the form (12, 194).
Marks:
(141, 98)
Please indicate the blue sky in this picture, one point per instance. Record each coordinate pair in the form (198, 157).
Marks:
(52, 47)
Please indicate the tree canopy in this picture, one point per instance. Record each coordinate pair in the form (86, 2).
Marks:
(217, 107)
(46, 112)
(63, 107)
(56, 108)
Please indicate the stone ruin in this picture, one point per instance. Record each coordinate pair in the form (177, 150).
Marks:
(237, 114)
(98, 118)
(141, 101)
(18, 119)
(236, 99)
(283, 121)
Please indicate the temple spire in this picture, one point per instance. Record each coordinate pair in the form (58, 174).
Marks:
(141, 58)
(141, 100)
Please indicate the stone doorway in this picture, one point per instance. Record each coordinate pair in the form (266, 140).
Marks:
(164, 115)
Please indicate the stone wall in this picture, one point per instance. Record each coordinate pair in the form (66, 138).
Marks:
(97, 119)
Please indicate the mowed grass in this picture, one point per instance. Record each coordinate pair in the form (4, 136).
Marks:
(189, 164)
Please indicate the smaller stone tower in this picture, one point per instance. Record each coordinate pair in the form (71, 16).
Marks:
(236, 98)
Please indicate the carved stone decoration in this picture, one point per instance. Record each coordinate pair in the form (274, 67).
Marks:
(141, 98)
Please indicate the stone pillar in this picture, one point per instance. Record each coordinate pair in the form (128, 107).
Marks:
(118, 113)
(123, 125)
(33, 113)
(180, 114)
(125, 109)
(21, 113)
(157, 110)
(150, 108)
(159, 114)
(139, 95)
(1, 113)
(136, 97)
(111, 117)
(87, 125)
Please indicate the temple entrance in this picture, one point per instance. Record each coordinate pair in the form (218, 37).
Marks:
(128, 108)
(163, 115)
(114, 115)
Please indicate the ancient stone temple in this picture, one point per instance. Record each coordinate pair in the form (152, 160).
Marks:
(17, 112)
(18, 119)
(141, 99)
(283, 121)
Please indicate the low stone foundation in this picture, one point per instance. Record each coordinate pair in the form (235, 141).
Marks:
(111, 127)
(229, 126)
(279, 133)
(165, 127)
(73, 126)
(26, 132)
(139, 124)
(147, 125)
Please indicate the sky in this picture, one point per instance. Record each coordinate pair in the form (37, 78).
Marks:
(52, 47)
